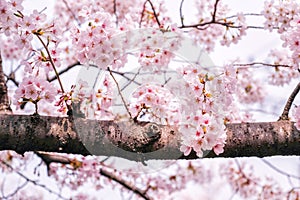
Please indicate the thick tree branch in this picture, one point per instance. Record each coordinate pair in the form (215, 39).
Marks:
(138, 141)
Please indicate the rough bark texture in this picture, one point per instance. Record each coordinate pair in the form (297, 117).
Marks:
(139, 142)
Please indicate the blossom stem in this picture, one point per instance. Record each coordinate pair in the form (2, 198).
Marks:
(120, 93)
(52, 63)
(54, 68)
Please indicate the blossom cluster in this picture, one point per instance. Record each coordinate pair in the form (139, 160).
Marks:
(203, 126)
(279, 14)
(229, 30)
(250, 89)
(157, 51)
(34, 90)
(155, 103)
(292, 41)
(282, 75)
(243, 180)
(93, 44)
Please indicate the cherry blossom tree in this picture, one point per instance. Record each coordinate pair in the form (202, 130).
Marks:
(123, 96)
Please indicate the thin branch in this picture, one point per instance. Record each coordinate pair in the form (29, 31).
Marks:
(123, 75)
(228, 25)
(288, 105)
(72, 13)
(125, 184)
(63, 71)
(181, 14)
(49, 158)
(132, 80)
(15, 192)
(142, 14)
(115, 11)
(32, 181)
(154, 12)
(120, 93)
(51, 62)
(259, 63)
(245, 14)
(54, 68)
(279, 170)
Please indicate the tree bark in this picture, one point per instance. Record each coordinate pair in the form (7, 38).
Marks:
(142, 141)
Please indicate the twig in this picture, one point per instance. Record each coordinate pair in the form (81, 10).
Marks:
(288, 105)
(154, 12)
(245, 14)
(115, 11)
(142, 14)
(54, 68)
(259, 63)
(120, 93)
(64, 71)
(51, 62)
(228, 25)
(181, 14)
(132, 80)
(279, 170)
(70, 10)
(32, 181)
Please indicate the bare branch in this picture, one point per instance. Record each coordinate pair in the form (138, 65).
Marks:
(279, 170)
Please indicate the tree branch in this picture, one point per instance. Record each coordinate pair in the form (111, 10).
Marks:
(215, 11)
(288, 105)
(34, 182)
(260, 63)
(138, 141)
(124, 183)
(63, 71)
(181, 14)
(154, 13)
(49, 158)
